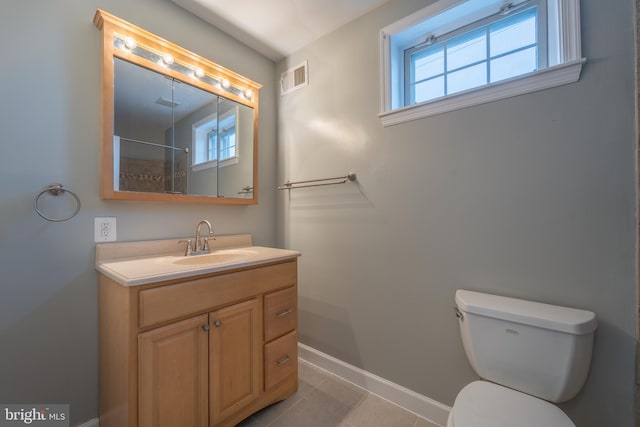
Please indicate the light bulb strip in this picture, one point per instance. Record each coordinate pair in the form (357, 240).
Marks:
(125, 43)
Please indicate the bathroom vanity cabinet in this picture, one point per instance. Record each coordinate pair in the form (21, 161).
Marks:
(208, 350)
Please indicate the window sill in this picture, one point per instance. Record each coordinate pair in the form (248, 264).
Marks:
(558, 75)
(213, 164)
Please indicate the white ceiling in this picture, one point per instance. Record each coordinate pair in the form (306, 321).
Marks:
(277, 28)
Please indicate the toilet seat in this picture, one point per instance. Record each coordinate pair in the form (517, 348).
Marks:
(485, 404)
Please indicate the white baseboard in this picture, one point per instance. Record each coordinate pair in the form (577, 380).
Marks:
(420, 405)
(91, 423)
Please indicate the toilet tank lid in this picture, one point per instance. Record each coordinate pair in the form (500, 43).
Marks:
(547, 316)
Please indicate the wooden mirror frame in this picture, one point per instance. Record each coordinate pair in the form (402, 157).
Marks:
(113, 26)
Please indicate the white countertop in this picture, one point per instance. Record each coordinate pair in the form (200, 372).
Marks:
(155, 263)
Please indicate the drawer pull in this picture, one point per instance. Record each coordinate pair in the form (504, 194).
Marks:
(285, 312)
(282, 361)
(205, 327)
(217, 323)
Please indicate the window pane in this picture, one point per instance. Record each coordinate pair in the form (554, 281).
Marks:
(228, 146)
(467, 78)
(429, 89)
(524, 61)
(428, 63)
(212, 146)
(513, 32)
(467, 49)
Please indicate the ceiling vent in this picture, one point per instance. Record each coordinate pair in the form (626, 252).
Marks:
(167, 102)
(294, 78)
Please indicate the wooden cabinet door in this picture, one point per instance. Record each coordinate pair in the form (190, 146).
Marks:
(235, 357)
(173, 375)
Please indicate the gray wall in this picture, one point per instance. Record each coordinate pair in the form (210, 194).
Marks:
(50, 132)
(531, 197)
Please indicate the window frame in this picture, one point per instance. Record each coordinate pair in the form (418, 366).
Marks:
(564, 56)
(482, 26)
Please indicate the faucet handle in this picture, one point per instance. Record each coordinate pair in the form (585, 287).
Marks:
(189, 249)
(205, 245)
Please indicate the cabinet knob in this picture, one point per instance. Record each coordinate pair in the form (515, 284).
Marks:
(205, 327)
(217, 323)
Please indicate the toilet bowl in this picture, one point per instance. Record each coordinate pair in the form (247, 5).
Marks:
(528, 355)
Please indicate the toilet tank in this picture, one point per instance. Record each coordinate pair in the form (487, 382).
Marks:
(540, 349)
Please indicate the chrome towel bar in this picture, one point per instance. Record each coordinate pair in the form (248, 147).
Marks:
(318, 182)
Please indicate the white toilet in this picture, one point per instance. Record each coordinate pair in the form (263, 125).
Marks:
(528, 354)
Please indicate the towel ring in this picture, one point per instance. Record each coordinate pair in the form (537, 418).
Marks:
(56, 190)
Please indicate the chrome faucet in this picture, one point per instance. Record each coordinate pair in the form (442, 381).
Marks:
(202, 243)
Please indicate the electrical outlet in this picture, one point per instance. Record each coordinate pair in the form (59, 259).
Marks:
(105, 229)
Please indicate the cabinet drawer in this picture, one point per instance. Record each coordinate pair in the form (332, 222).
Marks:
(169, 302)
(280, 313)
(280, 359)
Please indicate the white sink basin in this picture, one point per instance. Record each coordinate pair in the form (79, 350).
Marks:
(222, 256)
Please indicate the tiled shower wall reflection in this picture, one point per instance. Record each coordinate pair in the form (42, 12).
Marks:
(153, 176)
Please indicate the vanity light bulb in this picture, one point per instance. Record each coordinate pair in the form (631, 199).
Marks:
(130, 43)
(167, 59)
(226, 84)
(199, 72)
(248, 94)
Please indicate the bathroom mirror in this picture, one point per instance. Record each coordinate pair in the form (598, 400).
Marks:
(176, 127)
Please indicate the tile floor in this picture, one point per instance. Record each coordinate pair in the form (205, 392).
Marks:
(324, 400)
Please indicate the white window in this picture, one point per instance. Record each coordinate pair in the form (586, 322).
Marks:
(455, 54)
(227, 141)
(215, 141)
